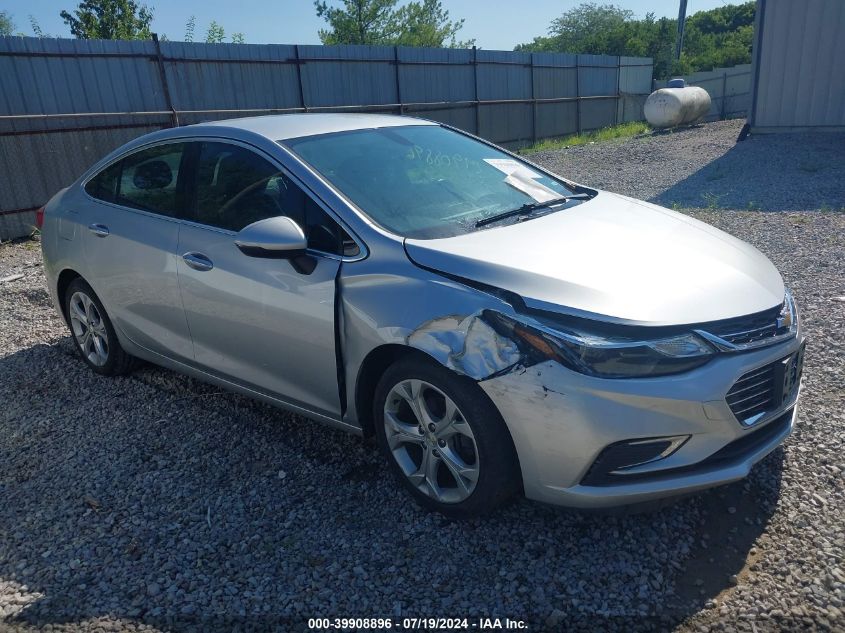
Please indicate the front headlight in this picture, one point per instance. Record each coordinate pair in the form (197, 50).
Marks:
(608, 357)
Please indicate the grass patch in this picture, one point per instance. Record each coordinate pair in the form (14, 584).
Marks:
(713, 200)
(624, 130)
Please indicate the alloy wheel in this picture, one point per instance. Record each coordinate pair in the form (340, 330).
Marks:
(89, 329)
(431, 441)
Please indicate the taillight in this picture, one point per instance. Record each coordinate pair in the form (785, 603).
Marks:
(39, 218)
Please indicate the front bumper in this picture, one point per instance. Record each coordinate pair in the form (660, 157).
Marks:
(560, 422)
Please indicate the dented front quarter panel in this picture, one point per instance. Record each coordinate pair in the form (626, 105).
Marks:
(388, 300)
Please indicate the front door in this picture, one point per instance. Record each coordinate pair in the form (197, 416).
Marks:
(259, 322)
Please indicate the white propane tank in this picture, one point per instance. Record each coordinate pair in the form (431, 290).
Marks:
(669, 107)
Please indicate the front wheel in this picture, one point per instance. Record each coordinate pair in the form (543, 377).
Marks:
(444, 439)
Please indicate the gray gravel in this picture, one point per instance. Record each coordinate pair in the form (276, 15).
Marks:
(153, 502)
(704, 167)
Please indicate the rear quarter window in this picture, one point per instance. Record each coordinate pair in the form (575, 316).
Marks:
(103, 186)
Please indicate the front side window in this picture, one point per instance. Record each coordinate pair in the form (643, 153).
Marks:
(425, 181)
(146, 180)
(236, 187)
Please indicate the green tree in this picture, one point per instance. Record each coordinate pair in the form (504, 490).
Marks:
(415, 23)
(718, 37)
(590, 27)
(7, 26)
(215, 34)
(427, 23)
(189, 28)
(110, 20)
(36, 27)
(358, 22)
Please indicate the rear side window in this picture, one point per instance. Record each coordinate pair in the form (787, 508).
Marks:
(236, 187)
(146, 180)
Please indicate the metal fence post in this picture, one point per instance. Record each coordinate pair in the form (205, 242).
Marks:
(299, 77)
(724, 94)
(577, 96)
(533, 103)
(174, 116)
(475, 84)
(398, 80)
(619, 99)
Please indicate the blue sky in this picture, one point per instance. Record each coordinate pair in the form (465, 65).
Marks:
(495, 24)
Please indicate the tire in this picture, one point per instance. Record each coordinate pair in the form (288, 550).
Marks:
(93, 333)
(462, 445)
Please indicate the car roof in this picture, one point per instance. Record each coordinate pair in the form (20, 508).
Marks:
(278, 127)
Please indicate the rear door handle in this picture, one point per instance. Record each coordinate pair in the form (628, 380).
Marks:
(198, 261)
(100, 230)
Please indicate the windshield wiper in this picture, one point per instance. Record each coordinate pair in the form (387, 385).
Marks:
(530, 207)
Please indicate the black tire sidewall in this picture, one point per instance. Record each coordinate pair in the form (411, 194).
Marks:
(112, 366)
(499, 477)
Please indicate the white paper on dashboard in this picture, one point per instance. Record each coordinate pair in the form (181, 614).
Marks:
(525, 180)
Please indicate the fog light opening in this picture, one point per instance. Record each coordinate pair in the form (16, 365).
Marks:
(639, 452)
(625, 458)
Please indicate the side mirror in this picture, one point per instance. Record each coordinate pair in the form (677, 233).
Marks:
(279, 238)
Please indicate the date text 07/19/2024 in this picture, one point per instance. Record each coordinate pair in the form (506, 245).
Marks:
(416, 624)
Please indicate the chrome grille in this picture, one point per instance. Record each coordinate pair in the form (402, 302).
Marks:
(753, 393)
(749, 329)
(766, 389)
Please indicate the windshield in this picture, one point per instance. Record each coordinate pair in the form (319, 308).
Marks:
(425, 181)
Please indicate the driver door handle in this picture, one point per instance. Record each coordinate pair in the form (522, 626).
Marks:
(100, 230)
(197, 261)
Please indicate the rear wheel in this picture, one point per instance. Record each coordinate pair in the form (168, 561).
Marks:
(93, 333)
(444, 439)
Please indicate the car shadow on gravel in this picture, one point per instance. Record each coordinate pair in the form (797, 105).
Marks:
(154, 499)
(768, 172)
(734, 518)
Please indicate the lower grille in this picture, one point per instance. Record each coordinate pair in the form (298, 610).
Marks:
(753, 393)
(766, 388)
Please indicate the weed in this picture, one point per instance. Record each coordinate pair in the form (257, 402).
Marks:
(625, 130)
(712, 199)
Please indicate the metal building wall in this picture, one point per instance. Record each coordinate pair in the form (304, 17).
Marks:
(65, 103)
(798, 81)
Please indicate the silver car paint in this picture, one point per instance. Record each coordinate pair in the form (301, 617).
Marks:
(615, 257)
(253, 319)
(385, 299)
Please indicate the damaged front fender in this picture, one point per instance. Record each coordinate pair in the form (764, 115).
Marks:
(383, 304)
(467, 345)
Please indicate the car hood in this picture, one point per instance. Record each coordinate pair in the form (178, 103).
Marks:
(614, 258)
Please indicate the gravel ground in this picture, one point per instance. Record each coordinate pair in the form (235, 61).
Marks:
(154, 502)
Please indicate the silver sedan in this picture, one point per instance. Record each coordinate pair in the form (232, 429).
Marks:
(498, 328)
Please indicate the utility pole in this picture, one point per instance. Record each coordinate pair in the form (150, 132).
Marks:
(682, 18)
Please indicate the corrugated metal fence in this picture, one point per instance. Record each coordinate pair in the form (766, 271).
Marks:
(65, 103)
(729, 89)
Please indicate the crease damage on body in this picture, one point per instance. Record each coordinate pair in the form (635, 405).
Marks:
(469, 345)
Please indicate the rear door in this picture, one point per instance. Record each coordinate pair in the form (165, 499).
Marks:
(264, 323)
(130, 236)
